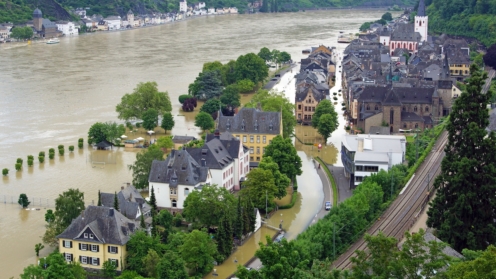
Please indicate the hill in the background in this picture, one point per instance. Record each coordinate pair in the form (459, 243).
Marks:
(18, 11)
(476, 19)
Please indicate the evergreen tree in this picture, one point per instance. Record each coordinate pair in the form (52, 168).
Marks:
(265, 6)
(248, 217)
(142, 221)
(116, 202)
(224, 237)
(463, 209)
(99, 199)
(154, 231)
(153, 200)
(238, 222)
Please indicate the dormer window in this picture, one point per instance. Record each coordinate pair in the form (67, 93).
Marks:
(243, 125)
(271, 127)
(91, 236)
(85, 235)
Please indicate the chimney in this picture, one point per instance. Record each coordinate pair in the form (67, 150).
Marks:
(111, 212)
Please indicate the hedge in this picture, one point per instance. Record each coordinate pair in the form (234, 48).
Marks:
(294, 197)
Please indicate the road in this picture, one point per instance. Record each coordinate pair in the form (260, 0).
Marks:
(403, 212)
(490, 76)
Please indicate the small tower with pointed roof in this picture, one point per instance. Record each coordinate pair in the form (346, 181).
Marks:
(37, 20)
(130, 18)
(421, 21)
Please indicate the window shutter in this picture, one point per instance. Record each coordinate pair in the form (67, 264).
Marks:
(116, 263)
(98, 248)
(79, 246)
(97, 261)
(108, 249)
(116, 249)
(71, 257)
(80, 259)
(70, 244)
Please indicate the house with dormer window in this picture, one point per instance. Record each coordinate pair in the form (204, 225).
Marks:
(99, 234)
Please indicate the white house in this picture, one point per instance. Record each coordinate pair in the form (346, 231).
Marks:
(183, 6)
(174, 178)
(233, 10)
(67, 28)
(80, 12)
(237, 151)
(113, 22)
(201, 5)
(364, 154)
(211, 11)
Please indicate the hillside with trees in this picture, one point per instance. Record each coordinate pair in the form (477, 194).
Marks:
(474, 19)
(19, 11)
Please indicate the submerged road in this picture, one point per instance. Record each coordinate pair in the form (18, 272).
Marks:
(403, 212)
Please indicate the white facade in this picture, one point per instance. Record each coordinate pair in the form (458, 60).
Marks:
(385, 40)
(211, 11)
(166, 196)
(224, 177)
(67, 28)
(183, 6)
(421, 26)
(201, 5)
(114, 22)
(363, 154)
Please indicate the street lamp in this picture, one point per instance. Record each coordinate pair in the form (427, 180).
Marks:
(280, 224)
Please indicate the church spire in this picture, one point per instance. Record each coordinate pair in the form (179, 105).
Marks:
(421, 8)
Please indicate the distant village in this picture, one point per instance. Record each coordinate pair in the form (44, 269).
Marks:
(45, 28)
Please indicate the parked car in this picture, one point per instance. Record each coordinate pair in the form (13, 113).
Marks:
(279, 238)
(328, 205)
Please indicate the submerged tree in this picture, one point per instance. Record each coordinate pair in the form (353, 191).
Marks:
(463, 209)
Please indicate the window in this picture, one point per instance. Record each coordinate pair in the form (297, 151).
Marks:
(258, 158)
(391, 116)
(299, 115)
(115, 262)
(263, 150)
(264, 139)
(251, 139)
(404, 125)
(237, 136)
(368, 107)
(251, 158)
(416, 125)
(83, 247)
(358, 168)
(84, 260)
(186, 191)
(95, 261)
(94, 248)
(174, 203)
(415, 108)
(376, 108)
(113, 249)
(427, 109)
(251, 150)
(68, 257)
(371, 168)
(85, 235)
(67, 244)
(173, 191)
(258, 150)
(258, 139)
(313, 108)
(244, 138)
(358, 178)
(299, 107)
(91, 236)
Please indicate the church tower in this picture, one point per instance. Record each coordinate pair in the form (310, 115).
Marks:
(37, 20)
(421, 21)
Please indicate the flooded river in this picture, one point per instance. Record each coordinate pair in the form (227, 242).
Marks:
(52, 94)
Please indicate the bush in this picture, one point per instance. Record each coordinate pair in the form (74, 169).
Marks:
(5, 172)
(138, 124)
(61, 146)
(347, 128)
(61, 152)
(177, 220)
(183, 98)
(292, 203)
(19, 161)
(42, 153)
(71, 148)
(80, 145)
(30, 162)
(18, 167)
(30, 157)
(41, 159)
(51, 150)
(82, 140)
(51, 155)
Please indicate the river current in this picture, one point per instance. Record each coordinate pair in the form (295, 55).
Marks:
(52, 94)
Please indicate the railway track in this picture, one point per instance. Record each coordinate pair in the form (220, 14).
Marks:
(403, 212)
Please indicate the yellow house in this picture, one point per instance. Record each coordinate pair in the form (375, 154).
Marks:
(254, 128)
(99, 234)
(459, 63)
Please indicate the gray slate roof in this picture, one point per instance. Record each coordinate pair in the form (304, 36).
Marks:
(405, 32)
(230, 143)
(252, 121)
(129, 199)
(108, 226)
(48, 24)
(178, 168)
(213, 154)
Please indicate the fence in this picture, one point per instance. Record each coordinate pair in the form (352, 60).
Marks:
(35, 201)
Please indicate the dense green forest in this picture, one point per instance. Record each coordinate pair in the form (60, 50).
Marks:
(474, 18)
(18, 11)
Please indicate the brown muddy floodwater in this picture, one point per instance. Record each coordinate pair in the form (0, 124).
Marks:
(52, 94)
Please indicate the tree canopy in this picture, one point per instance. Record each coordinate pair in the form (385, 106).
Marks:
(207, 85)
(198, 251)
(283, 153)
(328, 123)
(109, 131)
(150, 119)
(167, 121)
(462, 211)
(490, 56)
(141, 167)
(209, 205)
(144, 97)
(204, 121)
(259, 187)
(252, 67)
(280, 180)
(22, 33)
(324, 107)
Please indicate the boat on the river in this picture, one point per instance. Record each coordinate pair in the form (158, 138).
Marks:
(306, 51)
(53, 41)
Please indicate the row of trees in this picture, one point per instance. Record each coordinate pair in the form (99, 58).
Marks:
(383, 20)
(274, 56)
(325, 119)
